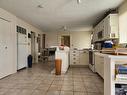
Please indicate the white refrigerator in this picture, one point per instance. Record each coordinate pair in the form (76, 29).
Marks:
(22, 51)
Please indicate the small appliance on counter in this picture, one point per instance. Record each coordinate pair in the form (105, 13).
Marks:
(108, 44)
(98, 46)
(115, 51)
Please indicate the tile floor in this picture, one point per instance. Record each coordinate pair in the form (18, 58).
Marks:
(39, 81)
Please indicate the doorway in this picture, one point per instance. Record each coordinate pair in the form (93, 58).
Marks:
(39, 42)
(33, 46)
(65, 40)
(43, 40)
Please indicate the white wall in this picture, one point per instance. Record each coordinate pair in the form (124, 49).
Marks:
(13, 56)
(16, 21)
(78, 39)
(51, 39)
(81, 40)
(123, 22)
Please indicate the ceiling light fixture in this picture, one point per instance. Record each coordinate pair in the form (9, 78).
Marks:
(78, 1)
(40, 6)
(65, 28)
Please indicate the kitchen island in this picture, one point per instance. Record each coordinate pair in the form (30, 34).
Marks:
(63, 54)
(105, 67)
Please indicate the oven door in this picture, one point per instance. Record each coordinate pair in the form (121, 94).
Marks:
(91, 58)
(91, 61)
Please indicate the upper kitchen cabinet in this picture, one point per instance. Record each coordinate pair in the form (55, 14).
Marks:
(94, 39)
(98, 33)
(107, 28)
(111, 26)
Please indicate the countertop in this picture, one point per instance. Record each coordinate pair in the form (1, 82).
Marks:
(110, 55)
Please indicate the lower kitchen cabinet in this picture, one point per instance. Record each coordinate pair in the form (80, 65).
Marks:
(74, 57)
(83, 57)
(99, 65)
(79, 57)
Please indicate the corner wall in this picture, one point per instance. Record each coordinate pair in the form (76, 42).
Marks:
(16, 21)
(13, 56)
(123, 22)
(30, 28)
(78, 39)
(51, 39)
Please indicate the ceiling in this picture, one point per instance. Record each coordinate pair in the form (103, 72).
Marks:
(58, 13)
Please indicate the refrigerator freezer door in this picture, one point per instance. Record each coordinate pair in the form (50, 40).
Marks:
(22, 38)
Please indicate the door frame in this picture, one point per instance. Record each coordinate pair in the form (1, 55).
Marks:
(33, 47)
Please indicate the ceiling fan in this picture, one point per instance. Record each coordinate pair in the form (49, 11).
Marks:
(63, 28)
(78, 1)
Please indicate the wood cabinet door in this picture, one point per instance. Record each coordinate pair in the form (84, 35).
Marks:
(96, 63)
(111, 26)
(99, 65)
(101, 69)
(106, 28)
(83, 57)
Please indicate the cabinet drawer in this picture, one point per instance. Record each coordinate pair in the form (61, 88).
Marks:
(74, 51)
(75, 55)
(75, 58)
(75, 62)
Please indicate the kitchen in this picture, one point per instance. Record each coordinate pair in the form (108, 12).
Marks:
(95, 51)
(110, 22)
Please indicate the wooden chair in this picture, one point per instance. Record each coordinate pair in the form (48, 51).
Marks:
(44, 55)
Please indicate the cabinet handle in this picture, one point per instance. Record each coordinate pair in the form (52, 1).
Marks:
(75, 49)
(6, 47)
(74, 58)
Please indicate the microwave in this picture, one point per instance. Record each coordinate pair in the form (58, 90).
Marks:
(98, 46)
(100, 35)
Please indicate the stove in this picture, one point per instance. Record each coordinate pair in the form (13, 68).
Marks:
(92, 59)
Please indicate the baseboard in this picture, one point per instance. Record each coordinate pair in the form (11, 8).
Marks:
(79, 66)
